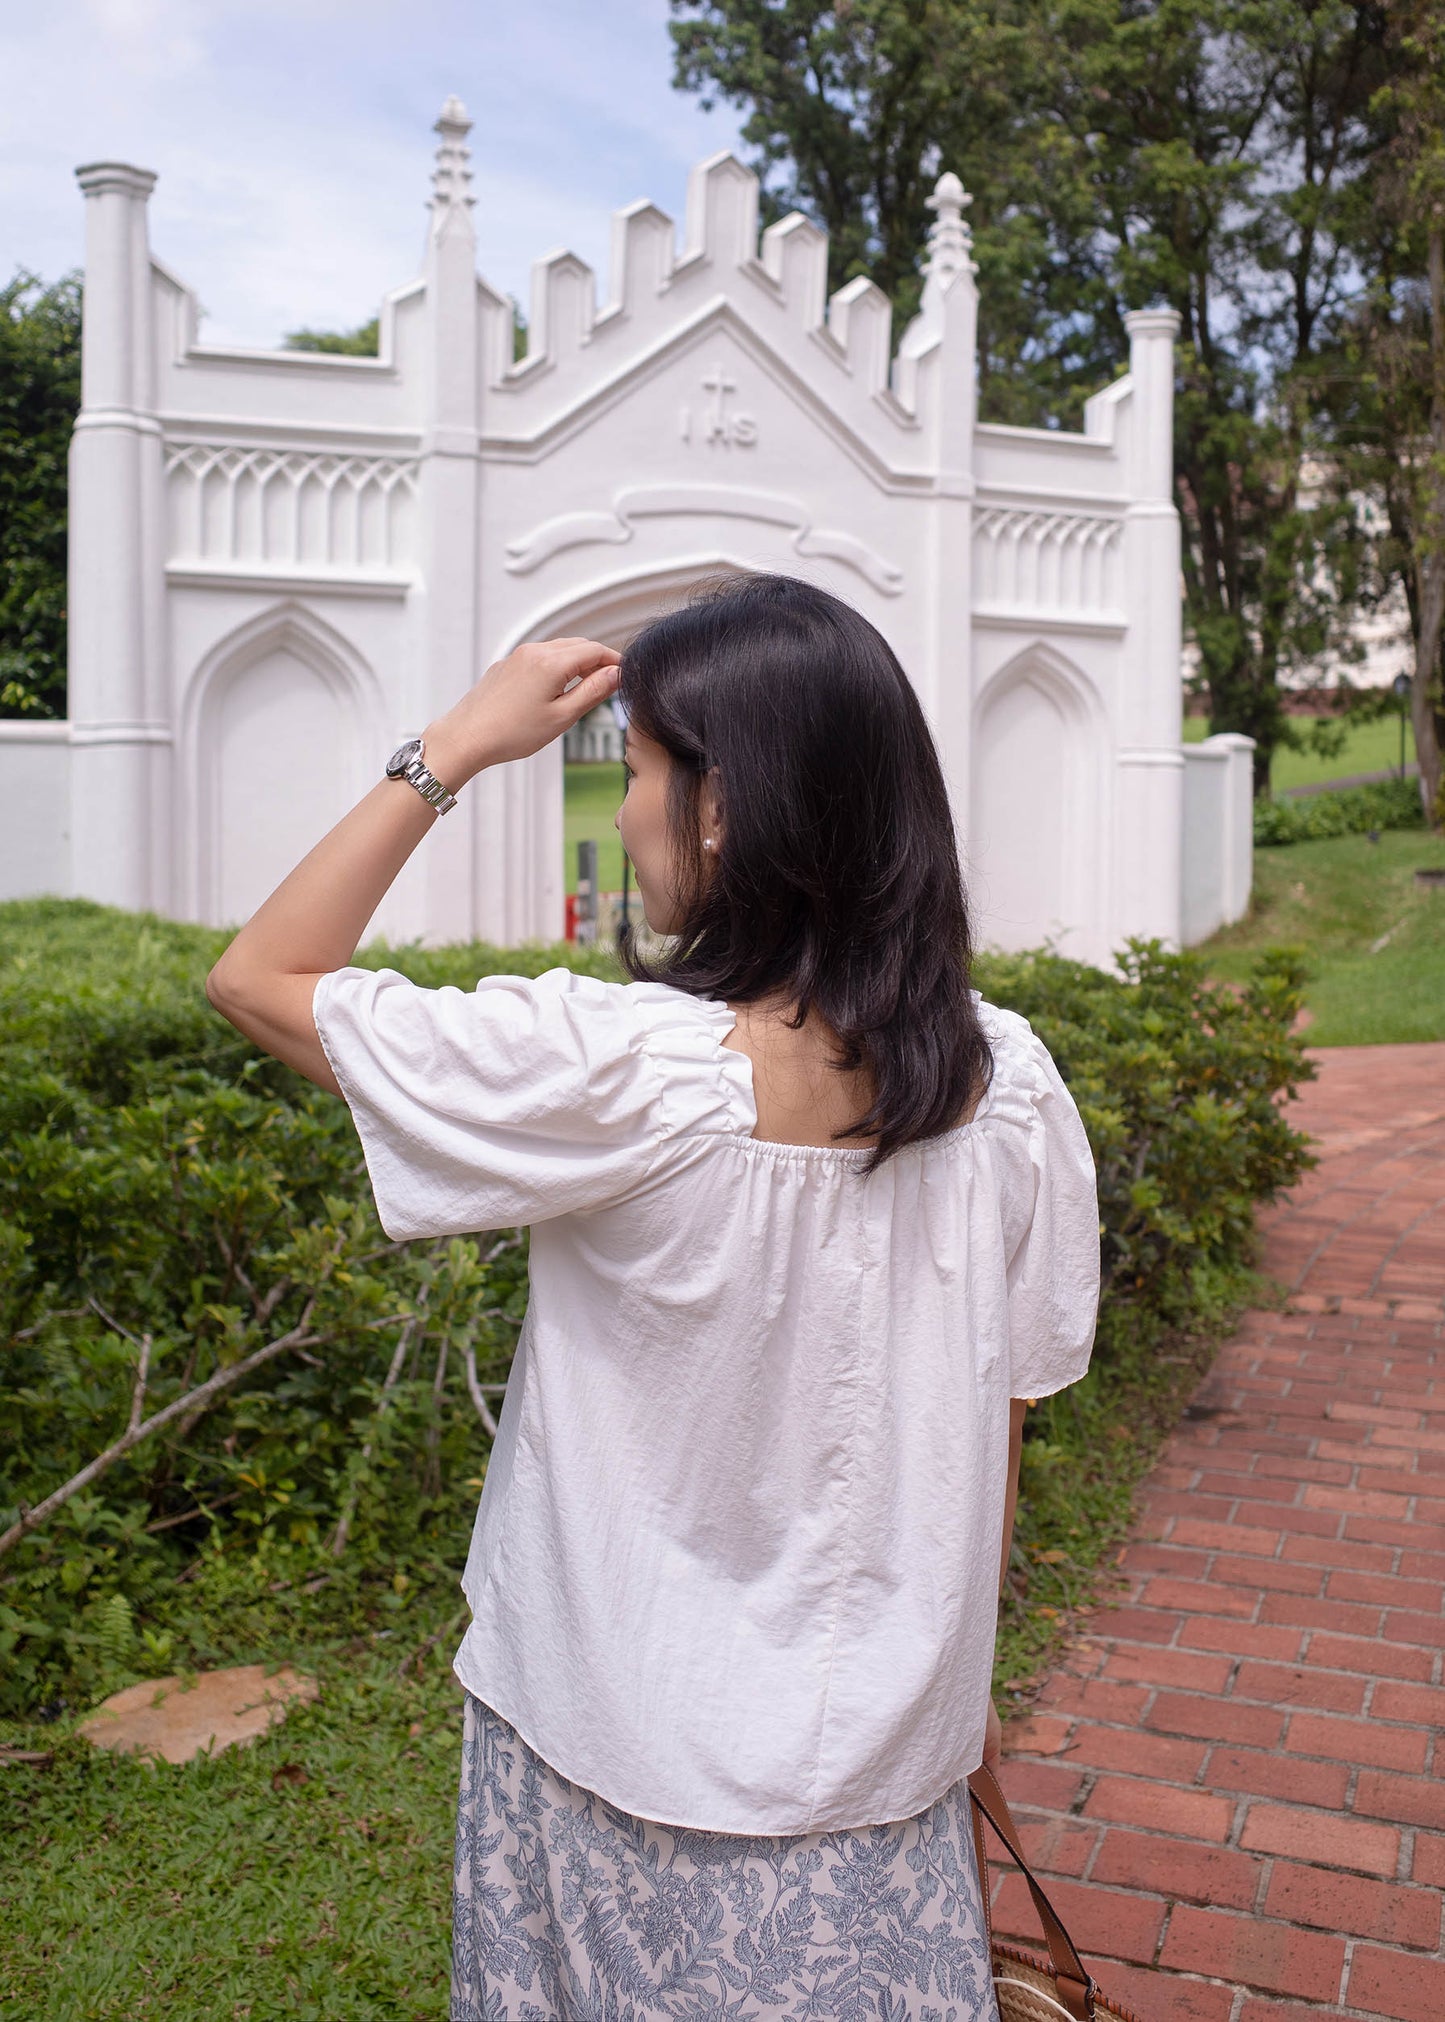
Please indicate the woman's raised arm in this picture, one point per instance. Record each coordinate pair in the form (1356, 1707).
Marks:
(265, 981)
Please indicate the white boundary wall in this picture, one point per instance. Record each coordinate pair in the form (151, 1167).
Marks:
(1218, 833)
(281, 563)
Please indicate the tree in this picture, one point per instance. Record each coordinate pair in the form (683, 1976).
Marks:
(1387, 383)
(1223, 145)
(851, 112)
(362, 342)
(1201, 153)
(365, 340)
(39, 399)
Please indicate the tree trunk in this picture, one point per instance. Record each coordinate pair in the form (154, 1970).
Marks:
(1426, 703)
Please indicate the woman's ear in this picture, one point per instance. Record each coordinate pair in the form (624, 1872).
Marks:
(710, 811)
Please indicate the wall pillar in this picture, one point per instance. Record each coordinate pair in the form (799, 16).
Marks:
(120, 729)
(944, 338)
(456, 904)
(1150, 776)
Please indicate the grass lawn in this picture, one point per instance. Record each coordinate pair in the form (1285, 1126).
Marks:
(593, 795)
(1369, 747)
(1338, 900)
(308, 1875)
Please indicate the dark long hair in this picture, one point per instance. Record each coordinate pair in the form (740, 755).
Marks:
(836, 882)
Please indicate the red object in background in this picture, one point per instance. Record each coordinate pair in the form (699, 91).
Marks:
(571, 916)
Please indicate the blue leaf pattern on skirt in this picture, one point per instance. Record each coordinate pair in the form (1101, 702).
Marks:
(568, 1910)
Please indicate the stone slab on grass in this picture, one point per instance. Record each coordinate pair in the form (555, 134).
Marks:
(177, 1718)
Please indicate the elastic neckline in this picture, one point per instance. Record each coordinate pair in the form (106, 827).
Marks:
(847, 1154)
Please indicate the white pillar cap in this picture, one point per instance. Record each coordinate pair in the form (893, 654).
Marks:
(98, 178)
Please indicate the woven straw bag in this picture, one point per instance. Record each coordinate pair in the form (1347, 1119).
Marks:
(1029, 1989)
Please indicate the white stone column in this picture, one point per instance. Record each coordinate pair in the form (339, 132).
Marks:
(1149, 801)
(119, 721)
(945, 338)
(456, 904)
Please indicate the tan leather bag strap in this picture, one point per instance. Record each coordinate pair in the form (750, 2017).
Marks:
(1076, 1987)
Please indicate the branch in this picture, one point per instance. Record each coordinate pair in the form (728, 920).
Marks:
(142, 1370)
(393, 1375)
(194, 1400)
(418, 1657)
(469, 1358)
(111, 1322)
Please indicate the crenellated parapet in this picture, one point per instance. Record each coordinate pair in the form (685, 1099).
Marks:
(770, 286)
(285, 551)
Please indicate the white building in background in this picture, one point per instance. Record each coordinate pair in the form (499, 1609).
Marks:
(281, 563)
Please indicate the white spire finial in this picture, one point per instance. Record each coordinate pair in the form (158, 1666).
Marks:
(950, 242)
(452, 175)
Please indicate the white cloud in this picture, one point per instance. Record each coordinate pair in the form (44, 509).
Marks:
(292, 138)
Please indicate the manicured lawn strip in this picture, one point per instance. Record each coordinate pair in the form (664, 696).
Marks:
(306, 1875)
(1337, 899)
(1368, 747)
(593, 795)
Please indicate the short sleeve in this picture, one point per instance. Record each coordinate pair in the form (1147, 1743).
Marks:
(513, 1103)
(1053, 1274)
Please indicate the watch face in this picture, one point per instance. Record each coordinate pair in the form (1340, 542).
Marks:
(402, 757)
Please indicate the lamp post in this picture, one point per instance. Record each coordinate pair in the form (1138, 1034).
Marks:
(1401, 687)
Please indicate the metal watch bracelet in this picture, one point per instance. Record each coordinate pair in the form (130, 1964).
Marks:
(420, 775)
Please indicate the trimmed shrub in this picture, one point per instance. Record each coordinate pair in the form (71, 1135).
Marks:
(1345, 810)
(174, 1204)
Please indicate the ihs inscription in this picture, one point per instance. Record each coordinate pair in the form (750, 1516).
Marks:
(719, 422)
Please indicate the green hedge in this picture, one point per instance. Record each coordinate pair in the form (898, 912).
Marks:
(168, 1193)
(1346, 810)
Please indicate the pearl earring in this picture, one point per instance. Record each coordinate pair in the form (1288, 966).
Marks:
(707, 842)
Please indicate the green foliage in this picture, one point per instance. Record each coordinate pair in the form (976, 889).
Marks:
(1205, 154)
(164, 1185)
(362, 342)
(39, 397)
(170, 1195)
(365, 340)
(1177, 1081)
(1347, 810)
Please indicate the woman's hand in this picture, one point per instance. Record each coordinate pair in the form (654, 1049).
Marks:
(519, 705)
(265, 982)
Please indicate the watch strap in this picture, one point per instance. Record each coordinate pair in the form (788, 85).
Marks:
(419, 775)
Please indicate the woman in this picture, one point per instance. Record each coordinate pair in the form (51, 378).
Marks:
(809, 1222)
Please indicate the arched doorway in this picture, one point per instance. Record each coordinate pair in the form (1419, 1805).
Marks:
(279, 717)
(1037, 819)
(536, 796)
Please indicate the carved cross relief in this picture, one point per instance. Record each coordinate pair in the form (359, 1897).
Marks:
(718, 422)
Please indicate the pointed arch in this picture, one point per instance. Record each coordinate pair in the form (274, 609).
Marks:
(1039, 818)
(520, 807)
(274, 722)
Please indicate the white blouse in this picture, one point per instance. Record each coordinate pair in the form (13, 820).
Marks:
(736, 1561)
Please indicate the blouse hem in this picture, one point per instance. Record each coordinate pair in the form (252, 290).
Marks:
(794, 1828)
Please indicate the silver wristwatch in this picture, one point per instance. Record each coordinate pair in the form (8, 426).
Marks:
(406, 762)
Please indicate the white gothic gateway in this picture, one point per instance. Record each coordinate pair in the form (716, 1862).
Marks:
(283, 562)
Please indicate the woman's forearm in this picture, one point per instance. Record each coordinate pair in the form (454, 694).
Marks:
(316, 916)
(313, 922)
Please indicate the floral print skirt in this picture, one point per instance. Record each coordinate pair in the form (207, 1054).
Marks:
(568, 1910)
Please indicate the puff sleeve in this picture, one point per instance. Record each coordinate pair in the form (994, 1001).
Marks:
(1053, 1273)
(521, 1100)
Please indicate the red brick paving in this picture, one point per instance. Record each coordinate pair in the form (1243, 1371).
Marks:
(1237, 1775)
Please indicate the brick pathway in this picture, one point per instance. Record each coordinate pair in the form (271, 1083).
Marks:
(1238, 1772)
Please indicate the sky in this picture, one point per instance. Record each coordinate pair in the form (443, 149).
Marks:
(293, 142)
